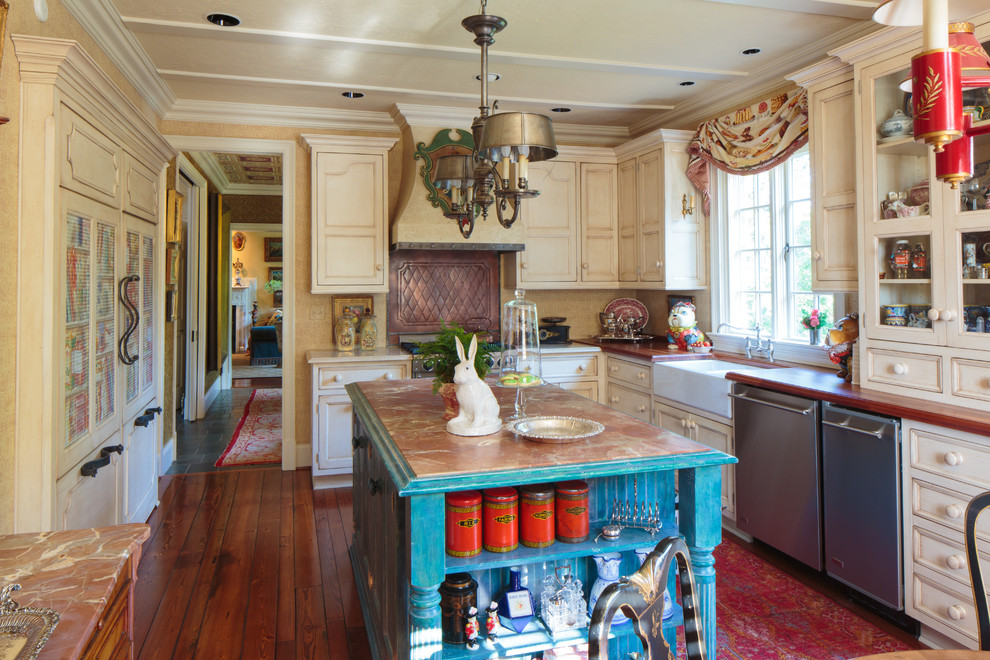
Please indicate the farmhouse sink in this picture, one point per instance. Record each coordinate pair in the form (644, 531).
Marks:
(698, 383)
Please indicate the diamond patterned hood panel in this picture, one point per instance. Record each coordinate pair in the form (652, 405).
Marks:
(427, 286)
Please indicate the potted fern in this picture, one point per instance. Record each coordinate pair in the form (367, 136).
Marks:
(440, 354)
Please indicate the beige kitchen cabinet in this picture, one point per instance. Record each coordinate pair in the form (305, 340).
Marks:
(574, 369)
(943, 470)
(831, 123)
(332, 418)
(350, 208)
(629, 386)
(571, 226)
(90, 193)
(659, 246)
(710, 430)
(923, 333)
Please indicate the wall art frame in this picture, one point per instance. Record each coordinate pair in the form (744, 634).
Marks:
(173, 216)
(274, 273)
(237, 240)
(356, 304)
(273, 249)
(448, 141)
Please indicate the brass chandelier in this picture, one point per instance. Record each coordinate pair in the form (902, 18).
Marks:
(504, 145)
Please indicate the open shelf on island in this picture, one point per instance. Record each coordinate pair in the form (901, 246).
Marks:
(535, 638)
(629, 540)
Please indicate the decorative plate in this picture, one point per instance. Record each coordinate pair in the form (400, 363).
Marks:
(23, 630)
(554, 430)
(628, 308)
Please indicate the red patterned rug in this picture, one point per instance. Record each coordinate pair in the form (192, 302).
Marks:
(765, 613)
(258, 437)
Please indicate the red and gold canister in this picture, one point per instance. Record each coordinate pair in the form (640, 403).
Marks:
(571, 510)
(536, 519)
(463, 522)
(500, 520)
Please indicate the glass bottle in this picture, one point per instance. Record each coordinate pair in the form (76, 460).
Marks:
(344, 331)
(919, 262)
(521, 366)
(900, 259)
(516, 604)
(369, 330)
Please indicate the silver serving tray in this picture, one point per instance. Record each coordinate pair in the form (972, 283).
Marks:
(558, 430)
(23, 630)
(621, 338)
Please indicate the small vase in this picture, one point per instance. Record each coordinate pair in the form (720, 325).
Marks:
(813, 336)
(609, 565)
(448, 392)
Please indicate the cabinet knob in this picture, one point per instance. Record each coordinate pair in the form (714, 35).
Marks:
(933, 314)
(957, 612)
(953, 458)
(692, 424)
(955, 562)
(659, 264)
(954, 511)
(683, 423)
(524, 265)
(641, 409)
(379, 267)
(584, 266)
(900, 368)
(581, 367)
(337, 378)
(948, 314)
(613, 369)
(641, 375)
(375, 486)
(816, 255)
(388, 375)
(614, 399)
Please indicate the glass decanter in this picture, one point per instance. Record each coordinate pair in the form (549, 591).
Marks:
(521, 367)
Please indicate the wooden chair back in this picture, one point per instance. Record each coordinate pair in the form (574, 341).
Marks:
(977, 505)
(640, 597)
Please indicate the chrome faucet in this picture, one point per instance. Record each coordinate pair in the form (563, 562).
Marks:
(765, 347)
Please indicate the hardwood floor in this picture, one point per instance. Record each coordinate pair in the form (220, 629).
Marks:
(248, 564)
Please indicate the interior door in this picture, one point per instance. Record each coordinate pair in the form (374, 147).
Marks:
(195, 405)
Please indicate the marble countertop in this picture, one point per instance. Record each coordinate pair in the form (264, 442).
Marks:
(72, 572)
(430, 459)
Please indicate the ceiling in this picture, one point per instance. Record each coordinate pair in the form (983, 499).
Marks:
(617, 64)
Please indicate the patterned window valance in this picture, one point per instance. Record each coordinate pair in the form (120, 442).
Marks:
(750, 140)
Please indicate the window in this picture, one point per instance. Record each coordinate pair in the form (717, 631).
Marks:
(765, 251)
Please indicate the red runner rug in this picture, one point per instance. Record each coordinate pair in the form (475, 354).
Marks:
(258, 437)
(765, 613)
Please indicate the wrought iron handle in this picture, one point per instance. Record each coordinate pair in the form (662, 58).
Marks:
(144, 420)
(375, 486)
(153, 411)
(133, 319)
(111, 449)
(90, 468)
(359, 442)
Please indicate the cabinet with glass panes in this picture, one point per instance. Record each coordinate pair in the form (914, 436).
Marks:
(925, 251)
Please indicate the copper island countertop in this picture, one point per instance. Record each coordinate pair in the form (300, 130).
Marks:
(430, 459)
(72, 572)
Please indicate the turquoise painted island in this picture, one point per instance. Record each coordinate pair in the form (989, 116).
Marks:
(405, 461)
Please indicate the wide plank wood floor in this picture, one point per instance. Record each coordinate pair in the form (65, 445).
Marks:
(248, 564)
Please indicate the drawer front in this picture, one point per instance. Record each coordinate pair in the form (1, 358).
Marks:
(944, 607)
(908, 370)
(946, 507)
(940, 554)
(570, 367)
(629, 401)
(630, 373)
(970, 379)
(963, 457)
(335, 377)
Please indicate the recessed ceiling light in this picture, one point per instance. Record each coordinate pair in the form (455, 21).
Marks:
(686, 83)
(751, 51)
(492, 77)
(223, 20)
(560, 109)
(352, 95)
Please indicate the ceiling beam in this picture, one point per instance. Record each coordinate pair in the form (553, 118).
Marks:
(858, 9)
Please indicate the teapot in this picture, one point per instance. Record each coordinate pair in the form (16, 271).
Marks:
(896, 125)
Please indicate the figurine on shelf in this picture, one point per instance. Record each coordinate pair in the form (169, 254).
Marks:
(491, 623)
(683, 330)
(478, 407)
(839, 344)
(471, 629)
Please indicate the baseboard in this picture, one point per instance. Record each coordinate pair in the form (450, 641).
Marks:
(167, 456)
(729, 525)
(304, 455)
(937, 640)
(332, 481)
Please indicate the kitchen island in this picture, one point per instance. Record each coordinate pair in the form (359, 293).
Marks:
(405, 461)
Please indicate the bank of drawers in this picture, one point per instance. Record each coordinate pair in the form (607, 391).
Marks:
(944, 470)
(630, 387)
(335, 377)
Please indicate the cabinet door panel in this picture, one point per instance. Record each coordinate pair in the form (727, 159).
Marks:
(93, 162)
(649, 191)
(551, 224)
(140, 189)
(140, 470)
(599, 227)
(627, 210)
(333, 435)
(83, 502)
(586, 388)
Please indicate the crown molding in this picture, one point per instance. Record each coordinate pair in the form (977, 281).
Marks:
(880, 41)
(275, 115)
(764, 80)
(651, 140)
(822, 71)
(211, 168)
(63, 62)
(252, 189)
(350, 143)
(102, 22)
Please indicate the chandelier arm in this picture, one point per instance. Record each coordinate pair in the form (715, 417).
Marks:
(515, 212)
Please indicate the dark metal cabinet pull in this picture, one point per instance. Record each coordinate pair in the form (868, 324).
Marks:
(90, 468)
(133, 319)
(144, 420)
(359, 442)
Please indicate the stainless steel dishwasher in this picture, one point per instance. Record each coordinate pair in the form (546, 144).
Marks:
(862, 502)
(777, 479)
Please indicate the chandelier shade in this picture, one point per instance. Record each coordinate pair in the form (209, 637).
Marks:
(911, 12)
(509, 134)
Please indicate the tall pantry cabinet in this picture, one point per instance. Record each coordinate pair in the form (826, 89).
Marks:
(90, 295)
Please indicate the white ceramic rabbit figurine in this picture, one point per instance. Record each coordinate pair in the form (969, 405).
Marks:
(479, 408)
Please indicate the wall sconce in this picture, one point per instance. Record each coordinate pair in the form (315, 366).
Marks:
(686, 208)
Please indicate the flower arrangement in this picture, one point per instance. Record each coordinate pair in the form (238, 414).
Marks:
(271, 286)
(814, 319)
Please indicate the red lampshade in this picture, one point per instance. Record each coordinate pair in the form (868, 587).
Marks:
(974, 60)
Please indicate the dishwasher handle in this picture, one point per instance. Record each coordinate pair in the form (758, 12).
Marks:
(845, 426)
(800, 411)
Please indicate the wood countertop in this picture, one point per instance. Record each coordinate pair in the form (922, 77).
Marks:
(423, 457)
(654, 350)
(72, 572)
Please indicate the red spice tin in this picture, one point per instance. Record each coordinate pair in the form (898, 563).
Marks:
(500, 520)
(536, 519)
(571, 508)
(463, 522)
